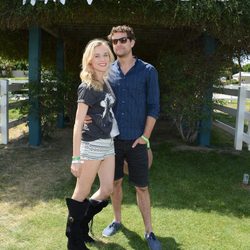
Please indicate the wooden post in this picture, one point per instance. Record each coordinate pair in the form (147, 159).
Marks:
(60, 70)
(239, 127)
(34, 78)
(4, 111)
(206, 122)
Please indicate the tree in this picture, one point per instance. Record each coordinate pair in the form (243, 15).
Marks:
(246, 68)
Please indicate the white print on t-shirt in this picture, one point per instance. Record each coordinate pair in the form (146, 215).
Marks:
(106, 103)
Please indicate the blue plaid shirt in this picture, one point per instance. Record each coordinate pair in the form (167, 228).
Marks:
(137, 96)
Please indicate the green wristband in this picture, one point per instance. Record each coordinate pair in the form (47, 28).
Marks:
(146, 140)
(76, 158)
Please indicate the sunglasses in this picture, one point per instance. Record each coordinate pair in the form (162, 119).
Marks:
(122, 40)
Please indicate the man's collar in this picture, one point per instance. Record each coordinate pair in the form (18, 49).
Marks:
(117, 63)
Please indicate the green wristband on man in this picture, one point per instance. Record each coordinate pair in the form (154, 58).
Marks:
(146, 140)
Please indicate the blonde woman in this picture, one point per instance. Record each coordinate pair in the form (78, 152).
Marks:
(93, 147)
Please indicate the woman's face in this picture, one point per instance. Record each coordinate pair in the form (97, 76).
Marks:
(100, 61)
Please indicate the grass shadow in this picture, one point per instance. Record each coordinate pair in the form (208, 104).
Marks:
(179, 179)
(200, 181)
(107, 246)
(136, 241)
(32, 174)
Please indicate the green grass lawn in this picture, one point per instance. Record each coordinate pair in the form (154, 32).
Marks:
(14, 114)
(233, 104)
(198, 201)
(228, 119)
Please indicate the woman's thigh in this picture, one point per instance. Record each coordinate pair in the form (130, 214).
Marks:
(84, 182)
(106, 172)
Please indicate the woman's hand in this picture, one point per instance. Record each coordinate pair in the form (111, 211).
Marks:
(76, 169)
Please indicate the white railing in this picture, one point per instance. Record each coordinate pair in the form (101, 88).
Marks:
(7, 86)
(241, 93)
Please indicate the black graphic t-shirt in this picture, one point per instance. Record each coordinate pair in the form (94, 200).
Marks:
(100, 110)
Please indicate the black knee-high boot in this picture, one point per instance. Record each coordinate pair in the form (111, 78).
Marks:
(94, 208)
(74, 231)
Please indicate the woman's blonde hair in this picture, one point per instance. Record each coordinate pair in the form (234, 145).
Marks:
(87, 73)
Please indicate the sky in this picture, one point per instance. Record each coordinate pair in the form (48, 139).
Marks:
(244, 61)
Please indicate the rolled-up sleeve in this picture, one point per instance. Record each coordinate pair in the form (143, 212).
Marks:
(153, 93)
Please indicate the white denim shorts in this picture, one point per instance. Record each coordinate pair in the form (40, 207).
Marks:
(97, 150)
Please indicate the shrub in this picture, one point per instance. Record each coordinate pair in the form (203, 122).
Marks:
(186, 79)
(6, 66)
(55, 93)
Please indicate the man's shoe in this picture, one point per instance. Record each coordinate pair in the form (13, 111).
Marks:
(111, 229)
(153, 242)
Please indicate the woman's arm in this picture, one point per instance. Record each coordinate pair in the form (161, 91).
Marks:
(81, 112)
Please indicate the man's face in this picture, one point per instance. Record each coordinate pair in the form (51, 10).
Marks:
(122, 45)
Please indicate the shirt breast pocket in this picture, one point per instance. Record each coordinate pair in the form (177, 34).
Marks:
(137, 87)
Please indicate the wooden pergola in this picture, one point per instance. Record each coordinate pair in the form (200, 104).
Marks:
(81, 30)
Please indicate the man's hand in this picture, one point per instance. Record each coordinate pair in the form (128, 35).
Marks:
(87, 119)
(138, 141)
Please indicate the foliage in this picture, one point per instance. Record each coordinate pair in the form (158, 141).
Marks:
(227, 72)
(246, 68)
(20, 65)
(185, 80)
(217, 17)
(235, 68)
(55, 95)
(7, 66)
(14, 44)
(15, 50)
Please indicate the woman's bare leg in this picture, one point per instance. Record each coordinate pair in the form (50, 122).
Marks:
(106, 178)
(84, 182)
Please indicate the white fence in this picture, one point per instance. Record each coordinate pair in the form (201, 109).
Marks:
(242, 93)
(242, 116)
(7, 87)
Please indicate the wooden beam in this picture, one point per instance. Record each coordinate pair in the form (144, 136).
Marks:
(51, 31)
(206, 123)
(34, 78)
(60, 71)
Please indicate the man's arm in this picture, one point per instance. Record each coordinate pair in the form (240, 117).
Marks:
(153, 94)
(149, 126)
(153, 106)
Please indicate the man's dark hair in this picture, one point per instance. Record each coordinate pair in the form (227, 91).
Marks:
(122, 28)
